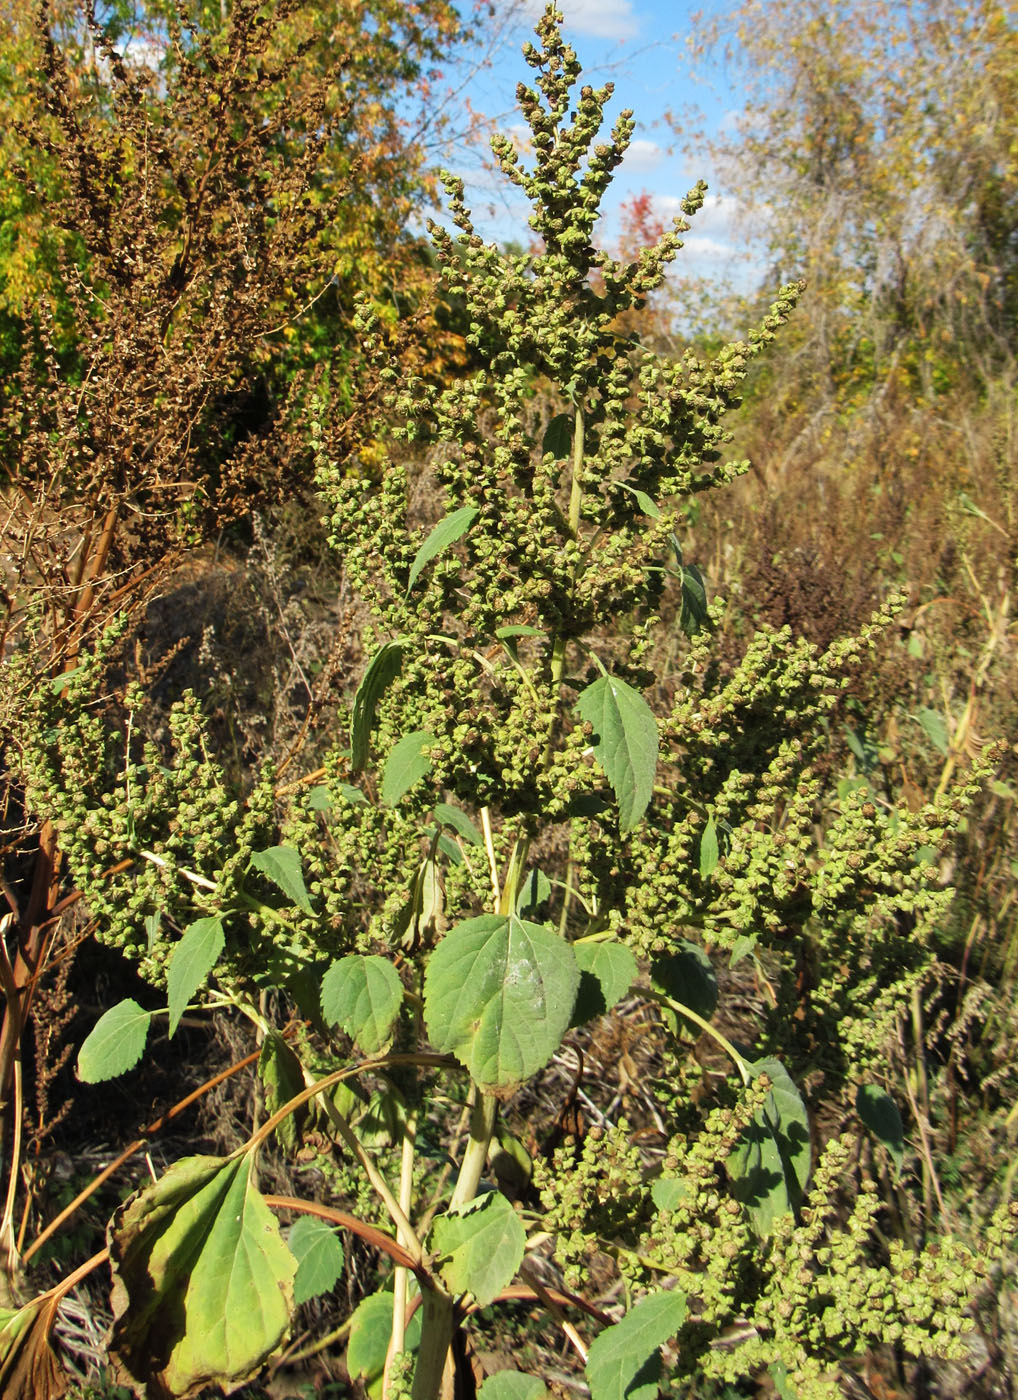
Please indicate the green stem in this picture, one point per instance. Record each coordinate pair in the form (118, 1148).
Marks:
(397, 1339)
(691, 1015)
(433, 1374)
(405, 1231)
(576, 485)
(483, 1112)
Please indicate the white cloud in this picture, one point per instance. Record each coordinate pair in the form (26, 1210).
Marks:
(643, 155)
(599, 19)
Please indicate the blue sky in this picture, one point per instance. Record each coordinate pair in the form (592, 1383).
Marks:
(641, 46)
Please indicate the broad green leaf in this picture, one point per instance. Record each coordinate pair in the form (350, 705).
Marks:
(282, 865)
(770, 1167)
(880, 1114)
(115, 1043)
(445, 533)
(319, 1255)
(625, 743)
(480, 1247)
(282, 1080)
(382, 670)
(535, 891)
(558, 436)
(624, 1362)
(935, 729)
(499, 994)
(363, 994)
(191, 961)
(370, 1330)
(687, 976)
(202, 1281)
(693, 607)
(406, 765)
(513, 1385)
(448, 815)
(709, 848)
(607, 971)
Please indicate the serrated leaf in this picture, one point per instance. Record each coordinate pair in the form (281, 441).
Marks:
(693, 612)
(282, 1080)
(407, 764)
(513, 1385)
(191, 961)
(370, 1330)
(362, 993)
(558, 436)
(202, 1281)
(498, 994)
(480, 1247)
(382, 670)
(448, 815)
(115, 1043)
(445, 533)
(935, 729)
(282, 865)
(880, 1114)
(708, 848)
(770, 1168)
(624, 1362)
(319, 1255)
(607, 971)
(687, 976)
(625, 743)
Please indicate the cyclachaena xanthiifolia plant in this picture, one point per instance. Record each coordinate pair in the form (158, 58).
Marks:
(532, 817)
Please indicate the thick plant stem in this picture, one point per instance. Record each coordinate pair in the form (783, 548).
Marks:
(397, 1340)
(434, 1376)
(483, 1112)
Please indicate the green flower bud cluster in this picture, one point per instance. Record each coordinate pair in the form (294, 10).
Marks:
(591, 1192)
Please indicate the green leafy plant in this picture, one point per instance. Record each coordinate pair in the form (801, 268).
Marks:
(530, 818)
